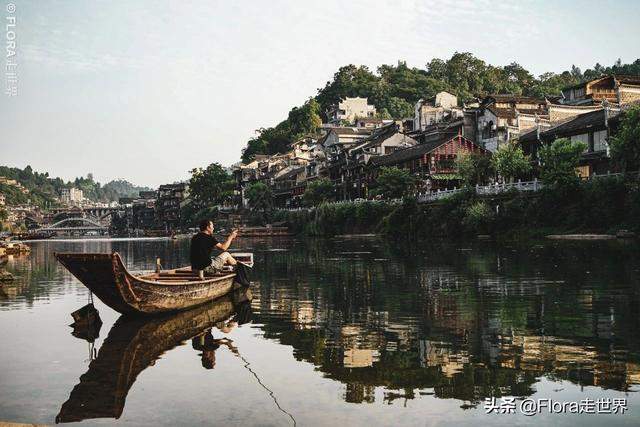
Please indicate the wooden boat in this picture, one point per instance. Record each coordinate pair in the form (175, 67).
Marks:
(132, 345)
(164, 291)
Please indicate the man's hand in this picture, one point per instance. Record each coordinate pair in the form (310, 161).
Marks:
(234, 233)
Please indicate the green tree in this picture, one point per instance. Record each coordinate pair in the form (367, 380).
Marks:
(349, 80)
(510, 162)
(318, 191)
(210, 186)
(625, 145)
(398, 108)
(304, 120)
(393, 183)
(254, 146)
(559, 162)
(260, 197)
(474, 168)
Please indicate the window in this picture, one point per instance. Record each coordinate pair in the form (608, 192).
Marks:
(600, 140)
(488, 131)
(584, 138)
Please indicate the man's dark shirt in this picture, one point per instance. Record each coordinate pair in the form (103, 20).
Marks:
(202, 245)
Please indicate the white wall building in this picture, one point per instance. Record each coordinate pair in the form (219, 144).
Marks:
(351, 108)
(71, 196)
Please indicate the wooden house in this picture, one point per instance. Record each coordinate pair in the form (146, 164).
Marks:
(432, 161)
(593, 129)
(617, 89)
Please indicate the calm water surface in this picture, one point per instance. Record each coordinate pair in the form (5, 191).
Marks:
(346, 331)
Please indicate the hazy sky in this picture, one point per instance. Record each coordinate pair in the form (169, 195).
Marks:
(146, 90)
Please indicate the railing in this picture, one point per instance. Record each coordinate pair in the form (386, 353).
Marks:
(496, 188)
(491, 189)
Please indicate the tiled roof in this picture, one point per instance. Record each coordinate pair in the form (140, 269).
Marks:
(290, 173)
(628, 79)
(516, 98)
(621, 78)
(590, 121)
(412, 152)
(377, 137)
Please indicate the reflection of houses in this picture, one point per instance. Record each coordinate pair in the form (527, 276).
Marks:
(359, 357)
(569, 360)
(441, 355)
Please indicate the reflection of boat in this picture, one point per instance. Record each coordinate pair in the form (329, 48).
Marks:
(133, 344)
(163, 291)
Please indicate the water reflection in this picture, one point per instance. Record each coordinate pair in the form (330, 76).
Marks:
(133, 344)
(381, 324)
(463, 324)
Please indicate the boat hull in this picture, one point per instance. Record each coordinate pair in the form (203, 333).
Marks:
(108, 278)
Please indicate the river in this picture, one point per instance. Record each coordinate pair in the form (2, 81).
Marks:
(338, 331)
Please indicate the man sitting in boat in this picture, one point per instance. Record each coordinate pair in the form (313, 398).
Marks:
(202, 246)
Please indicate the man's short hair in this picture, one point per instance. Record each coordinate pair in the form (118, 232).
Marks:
(204, 224)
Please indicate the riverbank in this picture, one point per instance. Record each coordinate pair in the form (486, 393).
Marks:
(604, 206)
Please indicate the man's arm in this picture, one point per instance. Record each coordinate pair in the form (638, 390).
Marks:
(224, 246)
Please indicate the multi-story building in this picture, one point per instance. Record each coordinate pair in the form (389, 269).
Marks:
(618, 89)
(353, 183)
(500, 118)
(143, 212)
(350, 109)
(433, 161)
(593, 128)
(443, 106)
(171, 198)
(71, 196)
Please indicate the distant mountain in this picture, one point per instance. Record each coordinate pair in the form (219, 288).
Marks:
(43, 190)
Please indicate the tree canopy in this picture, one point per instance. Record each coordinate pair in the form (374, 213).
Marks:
(625, 145)
(510, 162)
(210, 186)
(318, 191)
(394, 90)
(559, 162)
(474, 168)
(394, 183)
(44, 190)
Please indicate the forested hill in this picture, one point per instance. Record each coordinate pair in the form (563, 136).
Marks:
(42, 188)
(394, 89)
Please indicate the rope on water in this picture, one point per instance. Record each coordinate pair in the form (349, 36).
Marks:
(273, 396)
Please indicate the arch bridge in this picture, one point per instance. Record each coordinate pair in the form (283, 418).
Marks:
(69, 224)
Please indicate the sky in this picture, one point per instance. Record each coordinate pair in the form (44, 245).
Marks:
(148, 90)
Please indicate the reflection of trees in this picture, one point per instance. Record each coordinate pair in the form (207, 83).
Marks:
(466, 323)
(460, 321)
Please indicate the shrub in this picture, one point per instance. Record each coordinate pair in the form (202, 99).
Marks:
(479, 217)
